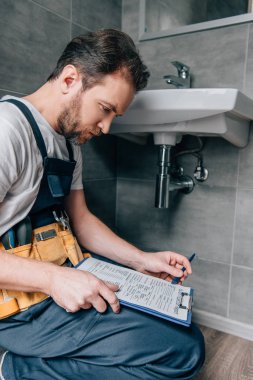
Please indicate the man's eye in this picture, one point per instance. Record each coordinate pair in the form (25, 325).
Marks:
(105, 109)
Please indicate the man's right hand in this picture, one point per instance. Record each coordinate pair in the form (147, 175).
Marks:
(74, 289)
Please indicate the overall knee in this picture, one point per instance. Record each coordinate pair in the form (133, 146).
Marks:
(196, 355)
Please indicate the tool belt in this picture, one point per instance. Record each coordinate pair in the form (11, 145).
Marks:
(50, 243)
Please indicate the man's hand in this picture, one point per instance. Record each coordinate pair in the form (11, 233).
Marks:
(74, 289)
(165, 265)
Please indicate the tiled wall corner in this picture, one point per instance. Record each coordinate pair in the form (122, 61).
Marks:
(248, 83)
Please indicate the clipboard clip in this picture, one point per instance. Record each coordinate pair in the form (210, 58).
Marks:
(189, 306)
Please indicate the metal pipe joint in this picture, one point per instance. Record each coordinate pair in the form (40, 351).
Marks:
(166, 182)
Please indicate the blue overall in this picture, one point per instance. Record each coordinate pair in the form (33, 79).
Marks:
(47, 343)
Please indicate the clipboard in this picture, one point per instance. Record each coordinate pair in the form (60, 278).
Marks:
(182, 297)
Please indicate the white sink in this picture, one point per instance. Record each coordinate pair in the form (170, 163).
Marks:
(168, 114)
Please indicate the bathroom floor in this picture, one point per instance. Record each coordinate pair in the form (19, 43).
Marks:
(227, 357)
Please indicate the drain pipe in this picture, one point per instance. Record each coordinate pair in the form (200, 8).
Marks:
(165, 182)
(163, 177)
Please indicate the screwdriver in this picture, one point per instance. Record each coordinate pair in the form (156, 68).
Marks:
(8, 239)
(21, 234)
(24, 231)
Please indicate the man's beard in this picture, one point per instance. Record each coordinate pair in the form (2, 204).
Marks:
(69, 120)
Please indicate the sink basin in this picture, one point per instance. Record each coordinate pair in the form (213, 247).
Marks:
(170, 113)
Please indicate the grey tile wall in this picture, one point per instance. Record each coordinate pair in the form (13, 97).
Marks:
(32, 39)
(212, 296)
(245, 166)
(215, 220)
(241, 305)
(193, 222)
(243, 233)
(219, 157)
(6, 92)
(131, 163)
(130, 19)
(96, 14)
(76, 30)
(249, 63)
(100, 196)
(99, 158)
(60, 7)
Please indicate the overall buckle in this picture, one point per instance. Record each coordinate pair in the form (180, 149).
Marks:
(44, 235)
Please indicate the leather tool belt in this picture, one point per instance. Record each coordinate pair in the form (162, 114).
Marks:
(50, 243)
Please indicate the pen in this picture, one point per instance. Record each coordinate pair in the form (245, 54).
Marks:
(177, 279)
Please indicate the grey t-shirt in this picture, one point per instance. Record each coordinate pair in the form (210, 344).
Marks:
(21, 166)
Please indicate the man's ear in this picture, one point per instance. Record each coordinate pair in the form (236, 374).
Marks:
(69, 78)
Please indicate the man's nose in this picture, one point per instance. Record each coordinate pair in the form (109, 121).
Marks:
(105, 125)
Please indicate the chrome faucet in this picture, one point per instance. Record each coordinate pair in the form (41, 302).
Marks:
(183, 80)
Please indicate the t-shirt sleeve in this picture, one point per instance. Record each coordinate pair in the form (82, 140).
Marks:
(10, 159)
(77, 182)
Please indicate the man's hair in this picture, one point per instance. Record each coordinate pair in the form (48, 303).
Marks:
(103, 52)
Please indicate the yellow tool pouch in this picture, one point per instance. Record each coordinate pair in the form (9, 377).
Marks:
(50, 243)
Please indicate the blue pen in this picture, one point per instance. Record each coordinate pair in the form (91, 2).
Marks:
(177, 279)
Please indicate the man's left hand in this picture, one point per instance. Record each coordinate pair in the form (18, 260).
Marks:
(165, 265)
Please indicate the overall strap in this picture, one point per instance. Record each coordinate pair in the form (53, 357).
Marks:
(36, 131)
(70, 150)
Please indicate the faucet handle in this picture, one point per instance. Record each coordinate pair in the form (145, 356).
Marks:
(182, 69)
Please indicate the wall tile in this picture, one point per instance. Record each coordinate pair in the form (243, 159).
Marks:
(130, 22)
(245, 168)
(77, 30)
(5, 92)
(241, 306)
(216, 57)
(137, 219)
(96, 14)
(220, 158)
(60, 7)
(210, 283)
(99, 158)
(249, 72)
(243, 230)
(101, 197)
(199, 222)
(137, 161)
(31, 48)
